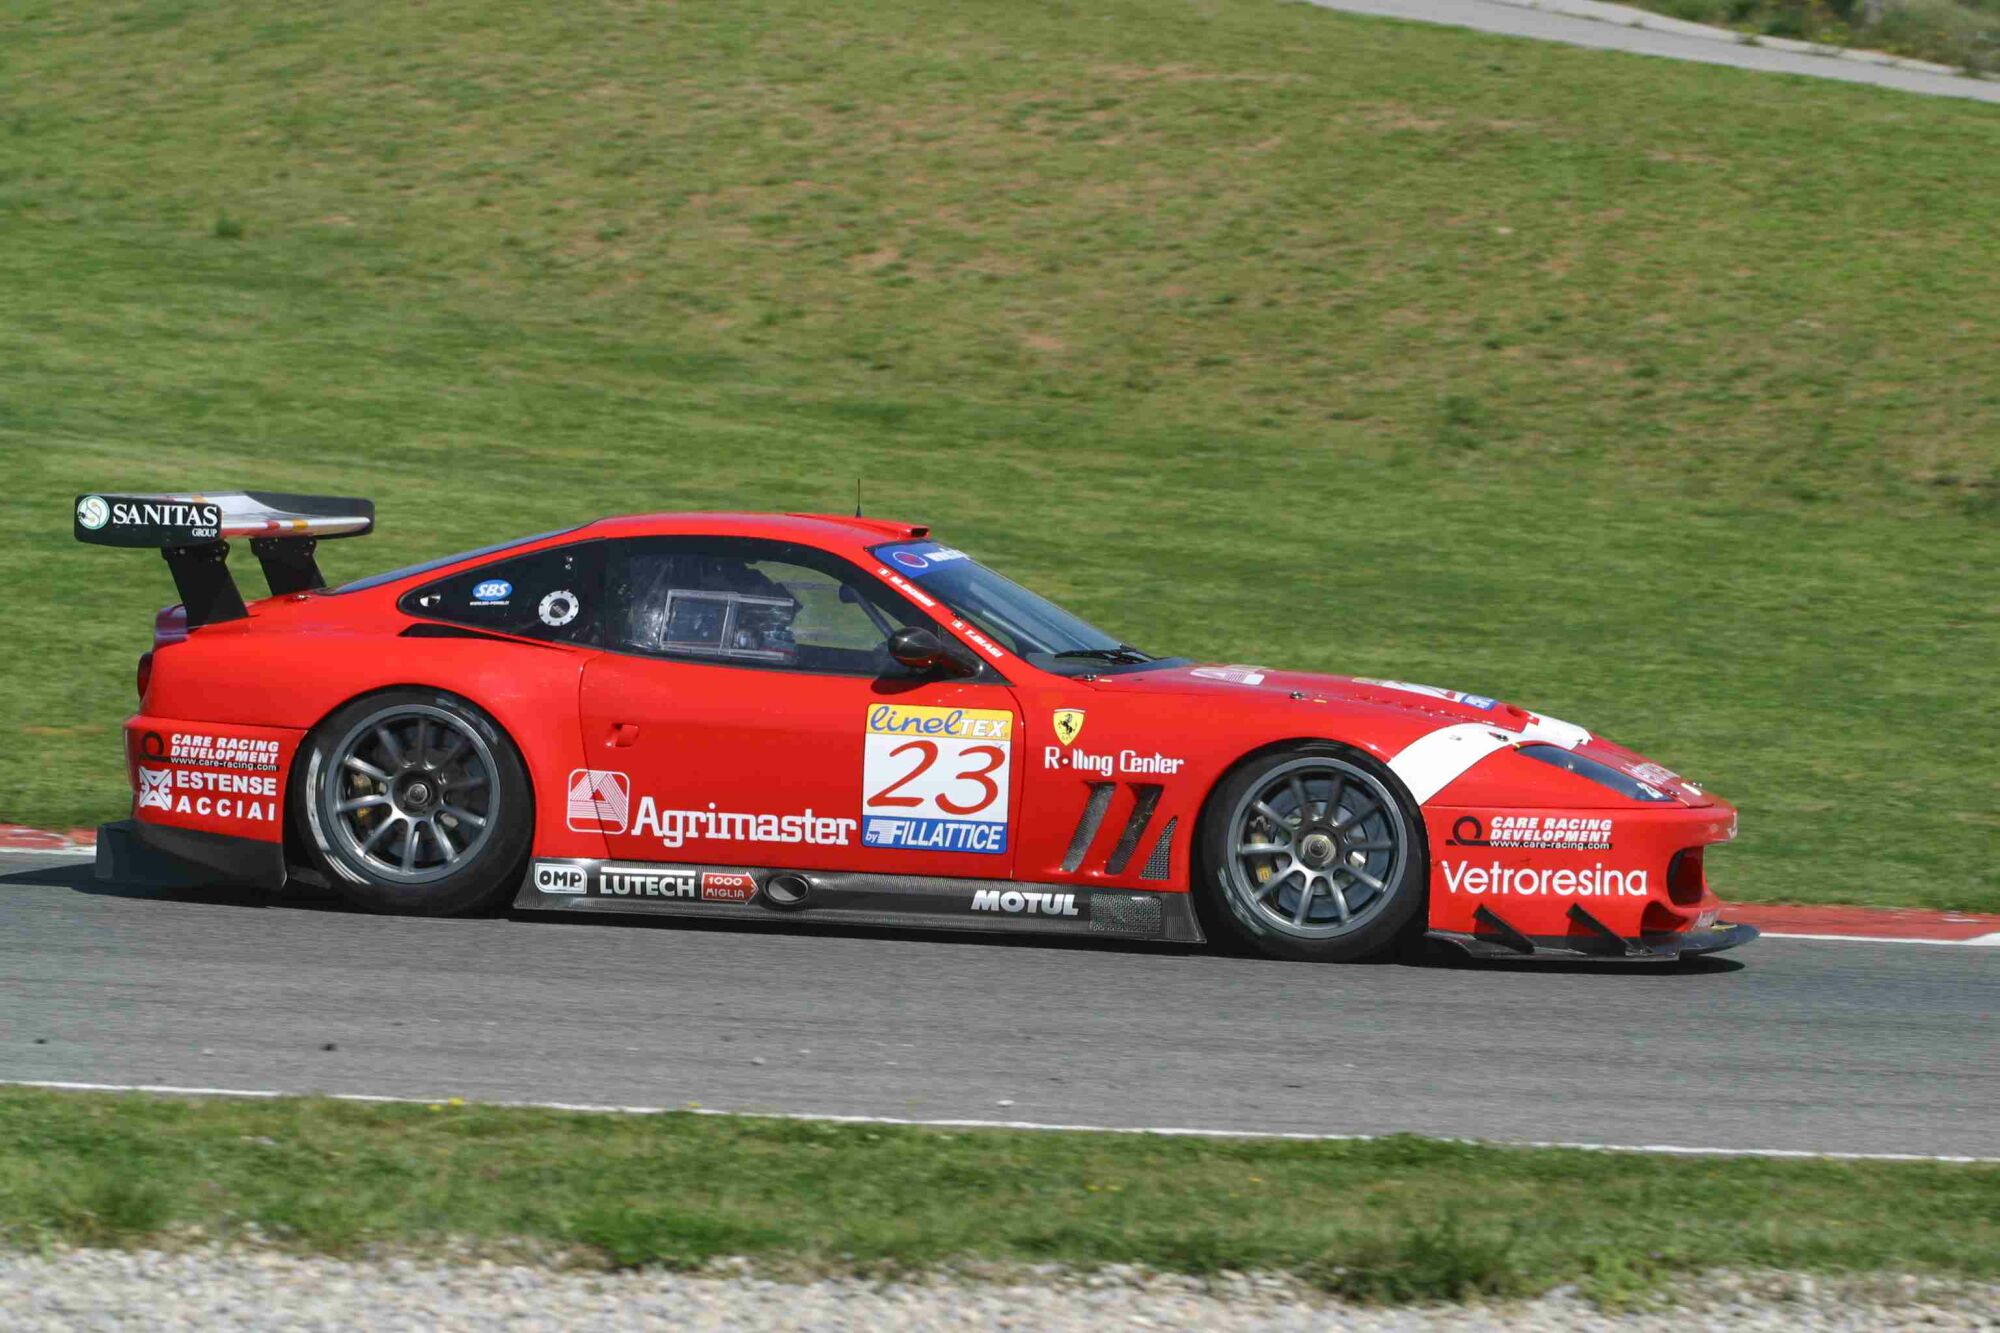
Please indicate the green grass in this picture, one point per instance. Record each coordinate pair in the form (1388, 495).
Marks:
(1656, 396)
(1394, 1220)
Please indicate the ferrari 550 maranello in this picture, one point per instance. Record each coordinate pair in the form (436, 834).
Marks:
(846, 720)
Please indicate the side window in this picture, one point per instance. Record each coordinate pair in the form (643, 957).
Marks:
(552, 594)
(749, 602)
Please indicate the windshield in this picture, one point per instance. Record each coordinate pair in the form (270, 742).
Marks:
(1030, 625)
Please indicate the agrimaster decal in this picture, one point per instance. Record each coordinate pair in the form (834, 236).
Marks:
(936, 779)
(600, 800)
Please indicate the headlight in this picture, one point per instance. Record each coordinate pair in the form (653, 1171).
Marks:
(1602, 774)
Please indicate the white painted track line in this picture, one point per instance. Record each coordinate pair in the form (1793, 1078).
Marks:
(588, 1108)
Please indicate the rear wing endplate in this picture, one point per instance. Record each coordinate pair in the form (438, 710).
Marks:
(192, 532)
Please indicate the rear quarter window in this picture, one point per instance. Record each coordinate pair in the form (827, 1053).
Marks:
(552, 594)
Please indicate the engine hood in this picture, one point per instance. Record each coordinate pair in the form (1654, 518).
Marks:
(1433, 708)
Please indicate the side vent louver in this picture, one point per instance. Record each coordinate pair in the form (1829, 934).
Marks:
(1162, 858)
(1086, 828)
(1135, 828)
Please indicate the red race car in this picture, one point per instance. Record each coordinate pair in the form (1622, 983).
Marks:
(843, 719)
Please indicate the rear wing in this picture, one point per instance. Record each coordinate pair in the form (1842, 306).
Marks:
(192, 532)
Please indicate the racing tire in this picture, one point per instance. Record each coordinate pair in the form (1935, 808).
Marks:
(415, 803)
(1313, 852)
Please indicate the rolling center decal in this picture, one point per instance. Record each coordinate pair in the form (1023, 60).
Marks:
(936, 779)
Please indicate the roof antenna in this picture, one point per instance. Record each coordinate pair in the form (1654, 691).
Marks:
(857, 497)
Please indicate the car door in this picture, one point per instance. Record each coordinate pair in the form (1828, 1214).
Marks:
(747, 714)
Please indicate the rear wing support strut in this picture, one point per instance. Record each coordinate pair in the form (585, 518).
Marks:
(203, 581)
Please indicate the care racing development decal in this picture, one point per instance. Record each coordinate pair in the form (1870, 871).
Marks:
(204, 750)
(1570, 833)
(936, 779)
(1502, 880)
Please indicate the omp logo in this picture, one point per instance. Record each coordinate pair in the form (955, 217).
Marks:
(1018, 902)
(555, 877)
(92, 512)
(600, 800)
(156, 788)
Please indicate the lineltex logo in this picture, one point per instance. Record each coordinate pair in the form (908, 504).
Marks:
(600, 800)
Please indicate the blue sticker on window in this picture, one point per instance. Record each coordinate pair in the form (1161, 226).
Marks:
(917, 558)
(492, 592)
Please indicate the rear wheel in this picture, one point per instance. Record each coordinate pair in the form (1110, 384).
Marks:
(1313, 852)
(416, 802)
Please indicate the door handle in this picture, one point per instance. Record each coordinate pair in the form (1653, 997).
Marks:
(624, 733)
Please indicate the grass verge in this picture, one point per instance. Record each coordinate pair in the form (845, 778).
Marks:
(1962, 33)
(1655, 395)
(1395, 1220)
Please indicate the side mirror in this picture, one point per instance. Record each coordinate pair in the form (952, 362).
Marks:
(922, 650)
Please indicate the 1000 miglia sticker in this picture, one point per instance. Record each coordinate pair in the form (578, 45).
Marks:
(936, 779)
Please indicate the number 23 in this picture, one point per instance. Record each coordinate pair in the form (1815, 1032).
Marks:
(927, 755)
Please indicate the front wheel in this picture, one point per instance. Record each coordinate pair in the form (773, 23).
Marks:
(416, 803)
(1313, 852)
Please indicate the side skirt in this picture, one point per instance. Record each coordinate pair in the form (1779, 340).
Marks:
(737, 893)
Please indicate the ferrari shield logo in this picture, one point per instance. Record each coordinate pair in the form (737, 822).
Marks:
(1069, 723)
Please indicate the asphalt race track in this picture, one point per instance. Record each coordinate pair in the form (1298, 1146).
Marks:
(1785, 1045)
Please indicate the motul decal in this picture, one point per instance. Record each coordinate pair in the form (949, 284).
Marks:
(1029, 902)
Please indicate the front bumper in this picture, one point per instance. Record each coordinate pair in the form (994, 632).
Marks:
(1664, 947)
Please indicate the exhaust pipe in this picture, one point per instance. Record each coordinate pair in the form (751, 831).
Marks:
(787, 891)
